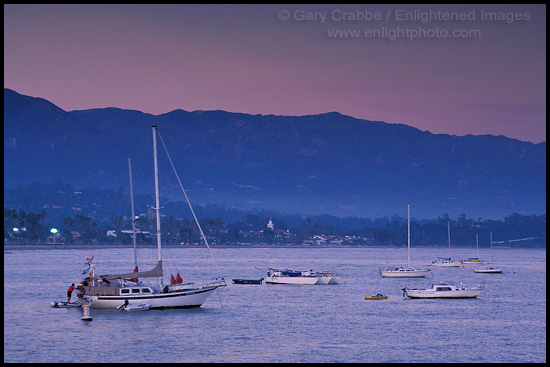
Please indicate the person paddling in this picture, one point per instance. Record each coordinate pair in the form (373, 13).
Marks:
(69, 293)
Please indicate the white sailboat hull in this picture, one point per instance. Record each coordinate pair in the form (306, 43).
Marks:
(404, 273)
(401, 271)
(109, 291)
(187, 298)
(488, 270)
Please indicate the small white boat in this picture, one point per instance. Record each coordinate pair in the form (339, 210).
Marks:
(446, 262)
(444, 290)
(287, 276)
(62, 304)
(474, 260)
(377, 296)
(134, 306)
(402, 272)
(490, 268)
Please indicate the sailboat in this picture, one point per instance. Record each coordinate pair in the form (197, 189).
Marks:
(446, 261)
(490, 268)
(408, 272)
(474, 260)
(113, 290)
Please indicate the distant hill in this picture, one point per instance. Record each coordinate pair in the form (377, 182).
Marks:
(328, 163)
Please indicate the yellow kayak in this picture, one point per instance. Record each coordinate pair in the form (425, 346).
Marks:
(378, 296)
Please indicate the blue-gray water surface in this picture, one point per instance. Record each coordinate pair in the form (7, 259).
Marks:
(282, 323)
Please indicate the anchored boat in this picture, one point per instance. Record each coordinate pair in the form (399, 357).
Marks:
(377, 296)
(490, 268)
(474, 260)
(402, 272)
(126, 306)
(446, 262)
(110, 291)
(287, 276)
(248, 281)
(62, 304)
(444, 290)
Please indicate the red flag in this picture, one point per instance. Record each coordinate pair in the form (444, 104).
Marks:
(172, 280)
(178, 278)
(134, 279)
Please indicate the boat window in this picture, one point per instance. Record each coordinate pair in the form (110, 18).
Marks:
(135, 290)
(145, 290)
(124, 291)
(443, 289)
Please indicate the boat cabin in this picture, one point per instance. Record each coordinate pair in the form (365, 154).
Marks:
(135, 291)
(94, 290)
(402, 269)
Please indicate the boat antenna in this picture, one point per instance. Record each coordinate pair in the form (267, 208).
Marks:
(190, 207)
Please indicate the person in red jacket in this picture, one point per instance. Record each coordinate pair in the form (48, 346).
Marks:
(69, 292)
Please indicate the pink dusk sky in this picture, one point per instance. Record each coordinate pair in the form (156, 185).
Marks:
(452, 69)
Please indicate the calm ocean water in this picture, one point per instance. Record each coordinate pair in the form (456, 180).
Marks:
(282, 323)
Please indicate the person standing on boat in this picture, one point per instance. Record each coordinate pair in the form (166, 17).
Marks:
(69, 293)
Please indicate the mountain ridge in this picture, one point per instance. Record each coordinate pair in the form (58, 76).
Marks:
(328, 162)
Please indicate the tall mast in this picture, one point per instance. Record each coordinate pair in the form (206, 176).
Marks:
(477, 246)
(133, 215)
(409, 233)
(449, 235)
(492, 258)
(157, 200)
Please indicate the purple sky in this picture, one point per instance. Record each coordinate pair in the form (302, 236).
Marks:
(275, 59)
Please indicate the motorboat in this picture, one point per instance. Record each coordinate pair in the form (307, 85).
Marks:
(126, 306)
(472, 260)
(377, 296)
(287, 276)
(248, 281)
(279, 276)
(444, 290)
(445, 262)
(62, 304)
(401, 271)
